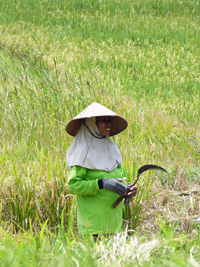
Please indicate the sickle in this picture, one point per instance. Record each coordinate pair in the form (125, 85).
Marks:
(140, 171)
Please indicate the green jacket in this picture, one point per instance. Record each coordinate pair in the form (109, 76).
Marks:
(94, 212)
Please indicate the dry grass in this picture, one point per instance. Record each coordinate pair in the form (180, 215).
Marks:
(176, 202)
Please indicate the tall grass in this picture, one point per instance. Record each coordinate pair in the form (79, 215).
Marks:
(52, 249)
(138, 58)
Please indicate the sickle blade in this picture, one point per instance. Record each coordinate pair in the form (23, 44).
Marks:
(147, 168)
(140, 171)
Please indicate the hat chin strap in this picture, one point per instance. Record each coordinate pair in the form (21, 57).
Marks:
(98, 137)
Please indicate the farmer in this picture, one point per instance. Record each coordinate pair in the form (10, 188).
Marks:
(97, 175)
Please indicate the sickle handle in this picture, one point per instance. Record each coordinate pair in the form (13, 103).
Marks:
(140, 171)
(117, 201)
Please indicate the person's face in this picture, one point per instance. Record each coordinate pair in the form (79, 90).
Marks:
(104, 125)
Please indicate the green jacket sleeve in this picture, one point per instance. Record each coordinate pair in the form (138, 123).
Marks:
(79, 185)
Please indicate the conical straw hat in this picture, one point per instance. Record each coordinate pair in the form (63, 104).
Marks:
(118, 123)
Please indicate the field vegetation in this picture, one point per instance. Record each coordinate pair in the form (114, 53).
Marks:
(139, 58)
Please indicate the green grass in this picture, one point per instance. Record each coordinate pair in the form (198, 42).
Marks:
(138, 58)
(51, 250)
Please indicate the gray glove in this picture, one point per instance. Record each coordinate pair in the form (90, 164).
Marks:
(127, 200)
(115, 185)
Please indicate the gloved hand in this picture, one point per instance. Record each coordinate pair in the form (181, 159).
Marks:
(115, 185)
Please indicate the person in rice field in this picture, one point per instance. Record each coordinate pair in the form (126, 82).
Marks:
(96, 172)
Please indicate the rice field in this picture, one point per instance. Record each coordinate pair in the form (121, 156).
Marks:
(138, 58)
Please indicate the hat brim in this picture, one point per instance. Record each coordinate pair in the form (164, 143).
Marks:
(118, 124)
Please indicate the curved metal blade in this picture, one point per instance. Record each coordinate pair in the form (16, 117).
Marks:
(146, 168)
(140, 171)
